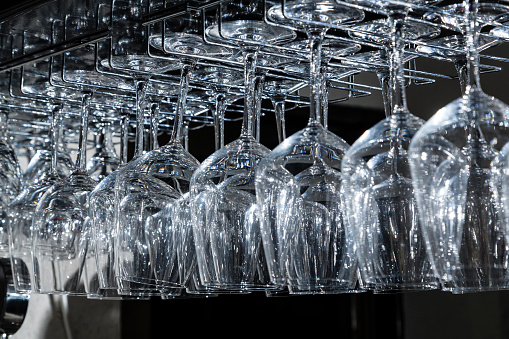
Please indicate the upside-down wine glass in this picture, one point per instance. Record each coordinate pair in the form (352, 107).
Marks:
(21, 210)
(60, 227)
(221, 193)
(156, 182)
(103, 207)
(297, 184)
(377, 192)
(103, 236)
(11, 181)
(451, 158)
(128, 53)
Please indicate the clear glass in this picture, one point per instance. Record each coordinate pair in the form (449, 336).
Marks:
(298, 187)
(378, 195)
(102, 215)
(22, 208)
(451, 160)
(298, 191)
(11, 182)
(149, 188)
(222, 188)
(60, 227)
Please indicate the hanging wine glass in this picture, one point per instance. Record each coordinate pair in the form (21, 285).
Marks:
(59, 226)
(22, 208)
(222, 187)
(11, 181)
(103, 232)
(159, 179)
(298, 183)
(450, 159)
(103, 207)
(377, 192)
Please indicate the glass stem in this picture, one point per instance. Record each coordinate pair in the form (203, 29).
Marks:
(124, 136)
(396, 69)
(325, 96)
(108, 137)
(3, 125)
(55, 137)
(154, 124)
(141, 88)
(460, 63)
(259, 82)
(472, 37)
(315, 83)
(219, 111)
(399, 109)
(250, 59)
(185, 135)
(384, 79)
(279, 103)
(475, 137)
(82, 148)
(185, 74)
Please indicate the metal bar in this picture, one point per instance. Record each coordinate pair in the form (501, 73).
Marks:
(54, 49)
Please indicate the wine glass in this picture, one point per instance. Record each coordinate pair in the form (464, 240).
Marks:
(102, 211)
(157, 180)
(221, 190)
(11, 181)
(59, 226)
(450, 159)
(298, 183)
(22, 208)
(104, 199)
(102, 236)
(377, 193)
